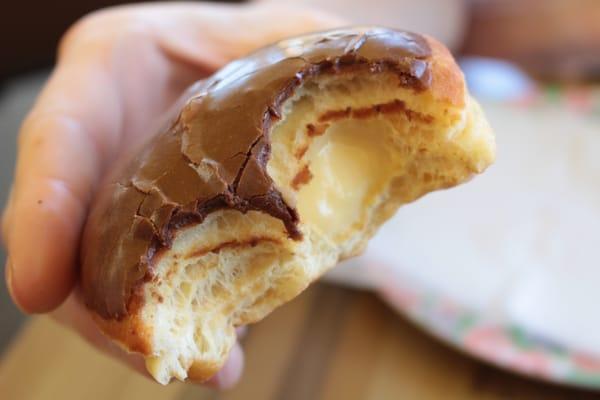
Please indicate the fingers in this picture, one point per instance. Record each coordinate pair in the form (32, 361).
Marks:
(63, 145)
(231, 372)
(112, 79)
(212, 35)
(5, 217)
(73, 314)
(241, 331)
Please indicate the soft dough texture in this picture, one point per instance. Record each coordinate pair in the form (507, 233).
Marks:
(351, 125)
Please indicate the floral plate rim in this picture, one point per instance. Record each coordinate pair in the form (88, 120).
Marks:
(507, 346)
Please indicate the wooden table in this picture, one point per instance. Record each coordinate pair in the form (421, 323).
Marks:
(330, 343)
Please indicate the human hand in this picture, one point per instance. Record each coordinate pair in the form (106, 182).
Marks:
(118, 69)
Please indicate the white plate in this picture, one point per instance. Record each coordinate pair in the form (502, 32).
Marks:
(507, 266)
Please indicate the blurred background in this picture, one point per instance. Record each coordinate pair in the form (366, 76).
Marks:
(504, 268)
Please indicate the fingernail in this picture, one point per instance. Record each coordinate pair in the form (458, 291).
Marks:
(241, 331)
(5, 217)
(231, 372)
(9, 274)
(10, 284)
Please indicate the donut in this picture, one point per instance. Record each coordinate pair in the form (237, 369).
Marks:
(270, 172)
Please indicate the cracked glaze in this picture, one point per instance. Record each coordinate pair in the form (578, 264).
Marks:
(214, 155)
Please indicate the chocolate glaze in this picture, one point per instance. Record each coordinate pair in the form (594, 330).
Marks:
(214, 155)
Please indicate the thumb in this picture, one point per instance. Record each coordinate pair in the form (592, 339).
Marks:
(229, 32)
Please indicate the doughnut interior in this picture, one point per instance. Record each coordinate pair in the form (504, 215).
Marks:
(347, 153)
(272, 170)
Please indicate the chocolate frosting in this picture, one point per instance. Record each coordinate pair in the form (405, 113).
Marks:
(214, 154)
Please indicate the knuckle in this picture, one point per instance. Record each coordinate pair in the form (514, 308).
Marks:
(81, 28)
(29, 128)
(97, 27)
(37, 126)
(5, 225)
(6, 218)
(26, 128)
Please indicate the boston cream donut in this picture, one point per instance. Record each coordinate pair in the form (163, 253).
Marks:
(276, 168)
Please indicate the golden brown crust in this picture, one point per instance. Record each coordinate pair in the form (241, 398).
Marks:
(423, 65)
(202, 371)
(135, 337)
(447, 81)
(130, 332)
(214, 156)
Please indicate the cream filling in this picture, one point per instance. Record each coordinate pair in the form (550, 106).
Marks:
(345, 176)
(349, 166)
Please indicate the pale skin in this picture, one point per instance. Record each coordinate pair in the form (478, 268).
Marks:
(117, 71)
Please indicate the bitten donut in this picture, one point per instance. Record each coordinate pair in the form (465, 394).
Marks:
(274, 169)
